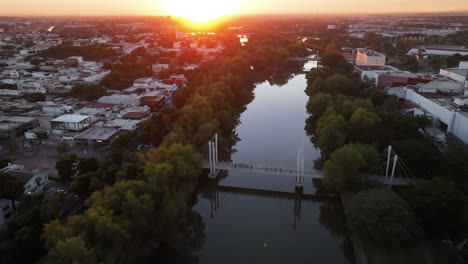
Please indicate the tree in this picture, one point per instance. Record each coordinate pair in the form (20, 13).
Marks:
(421, 156)
(341, 84)
(439, 205)
(34, 97)
(10, 188)
(173, 164)
(24, 230)
(380, 215)
(455, 168)
(72, 250)
(319, 103)
(363, 124)
(88, 182)
(342, 169)
(4, 162)
(330, 131)
(87, 164)
(66, 167)
(337, 62)
(88, 91)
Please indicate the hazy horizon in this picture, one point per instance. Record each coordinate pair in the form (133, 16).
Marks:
(253, 7)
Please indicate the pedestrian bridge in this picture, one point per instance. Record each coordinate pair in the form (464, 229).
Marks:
(288, 172)
(388, 168)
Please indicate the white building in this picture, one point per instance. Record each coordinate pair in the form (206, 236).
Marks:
(440, 50)
(124, 99)
(71, 122)
(34, 181)
(459, 74)
(75, 59)
(369, 57)
(447, 112)
(372, 72)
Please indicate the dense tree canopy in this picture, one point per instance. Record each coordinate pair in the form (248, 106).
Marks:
(88, 91)
(439, 205)
(343, 168)
(380, 215)
(66, 167)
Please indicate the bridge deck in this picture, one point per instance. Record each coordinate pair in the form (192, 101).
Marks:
(311, 174)
(265, 170)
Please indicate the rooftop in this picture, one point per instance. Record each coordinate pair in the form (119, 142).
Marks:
(370, 52)
(98, 133)
(375, 68)
(70, 118)
(135, 115)
(409, 75)
(443, 47)
(441, 85)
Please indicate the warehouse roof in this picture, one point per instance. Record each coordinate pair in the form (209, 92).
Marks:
(70, 118)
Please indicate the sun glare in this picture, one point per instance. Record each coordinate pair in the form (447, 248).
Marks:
(201, 11)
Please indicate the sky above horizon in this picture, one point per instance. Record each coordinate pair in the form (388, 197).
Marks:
(157, 7)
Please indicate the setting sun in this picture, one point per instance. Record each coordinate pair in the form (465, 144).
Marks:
(201, 11)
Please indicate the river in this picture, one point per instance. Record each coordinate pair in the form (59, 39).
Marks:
(250, 226)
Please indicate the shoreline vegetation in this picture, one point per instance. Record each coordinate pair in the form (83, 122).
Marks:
(351, 122)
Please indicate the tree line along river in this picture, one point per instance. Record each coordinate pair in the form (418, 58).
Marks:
(244, 224)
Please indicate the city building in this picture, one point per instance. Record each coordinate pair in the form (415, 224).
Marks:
(71, 122)
(459, 74)
(6, 211)
(448, 110)
(441, 50)
(372, 72)
(100, 135)
(33, 181)
(12, 127)
(395, 79)
(369, 57)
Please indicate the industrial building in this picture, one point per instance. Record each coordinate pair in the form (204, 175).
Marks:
(444, 103)
(395, 79)
(440, 50)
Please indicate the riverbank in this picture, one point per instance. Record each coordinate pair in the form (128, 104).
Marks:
(255, 217)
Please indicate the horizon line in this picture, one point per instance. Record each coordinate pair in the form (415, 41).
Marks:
(439, 13)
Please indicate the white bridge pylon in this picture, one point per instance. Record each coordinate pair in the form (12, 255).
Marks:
(300, 168)
(213, 156)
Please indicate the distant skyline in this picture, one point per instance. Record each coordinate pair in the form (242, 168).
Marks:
(156, 7)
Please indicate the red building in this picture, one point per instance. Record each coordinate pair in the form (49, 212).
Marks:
(396, 79)
(153, 100)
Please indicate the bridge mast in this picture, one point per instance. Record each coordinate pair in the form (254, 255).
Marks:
(213, 156)
(216, 148)
(395, 159)
(388, 161)
(209, 157)
(300, 168)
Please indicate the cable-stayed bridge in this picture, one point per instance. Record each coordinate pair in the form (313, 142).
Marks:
(388, 169)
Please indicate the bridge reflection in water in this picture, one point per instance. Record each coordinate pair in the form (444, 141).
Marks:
(314, 191)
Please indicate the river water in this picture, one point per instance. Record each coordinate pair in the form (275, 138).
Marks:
(252, 226)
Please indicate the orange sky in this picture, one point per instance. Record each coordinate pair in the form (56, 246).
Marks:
(155, 7)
